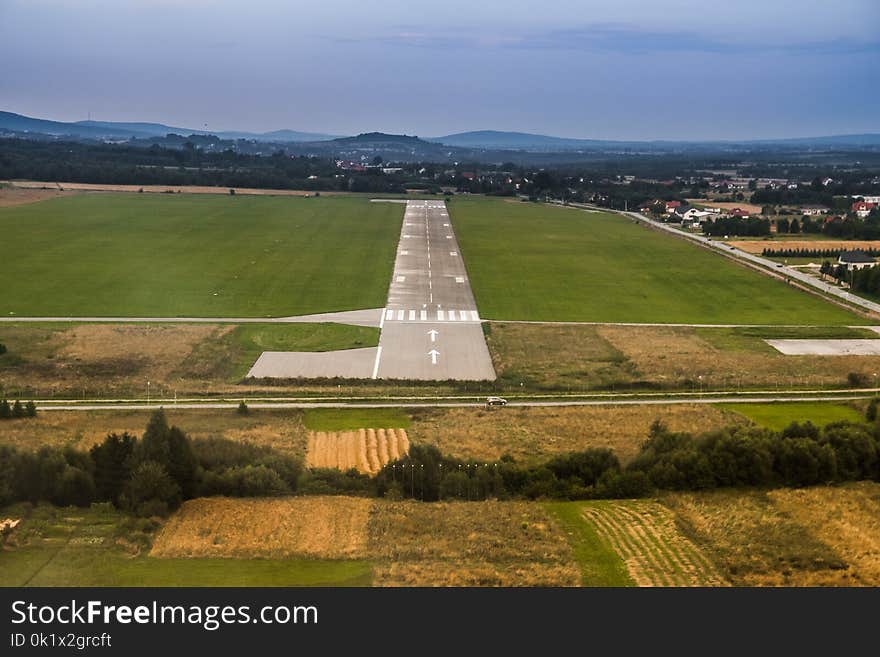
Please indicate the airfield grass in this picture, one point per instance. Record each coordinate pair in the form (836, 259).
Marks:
(637, 358)
(230, 353)
(535, 262)
(158, 255)
(109, 357)
(779, 415)
(100, 546)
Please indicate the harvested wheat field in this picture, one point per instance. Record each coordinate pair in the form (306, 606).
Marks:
(846, 518)
(10, 196)
(279, 429)
(469, 544)
(776, 539)
(320, 527)
(158, 189)
(644, 535)
(365, 450)
(533, 434)
(758, 246)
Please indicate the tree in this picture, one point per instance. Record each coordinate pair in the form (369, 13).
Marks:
(112, 459)
(782, 226)
(2, 348)
(169, 447)
(75, 487)
(151, 491)
(30, 409)
(5, 410)
(242, 408)
(17, 409)
(794, 226)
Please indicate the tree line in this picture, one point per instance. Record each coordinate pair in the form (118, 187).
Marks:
(154, 474)
(17, 409)
(813, 253)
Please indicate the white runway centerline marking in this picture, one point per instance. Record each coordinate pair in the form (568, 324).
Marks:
(376, 364)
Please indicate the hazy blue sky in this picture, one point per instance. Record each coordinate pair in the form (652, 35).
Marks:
(582, 68)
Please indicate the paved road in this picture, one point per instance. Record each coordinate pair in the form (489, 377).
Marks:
(431, 328)
(707, 399)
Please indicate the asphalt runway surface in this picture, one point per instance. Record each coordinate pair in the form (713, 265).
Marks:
(431, 329)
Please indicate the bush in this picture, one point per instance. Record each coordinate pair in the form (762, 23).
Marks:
(2, 348)
(242, 408)
(75, 487)
(871, 410)
(856, 380)
(151, 491)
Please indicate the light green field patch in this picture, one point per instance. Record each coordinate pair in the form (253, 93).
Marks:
(600, 565)
(538, 262)
(345, 419)
(779, 415)
(157, 255)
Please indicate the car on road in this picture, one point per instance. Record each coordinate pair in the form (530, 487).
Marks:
(496, 401)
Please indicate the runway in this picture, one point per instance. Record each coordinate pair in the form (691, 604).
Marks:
(431, 329)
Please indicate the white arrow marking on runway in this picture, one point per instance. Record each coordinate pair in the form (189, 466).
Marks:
(433, 333)
(433, 354)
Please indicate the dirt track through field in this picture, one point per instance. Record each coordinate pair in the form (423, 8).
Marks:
(655, 552)
(365, 450)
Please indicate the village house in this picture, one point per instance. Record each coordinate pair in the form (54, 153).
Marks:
(853, 260)
(863, 208)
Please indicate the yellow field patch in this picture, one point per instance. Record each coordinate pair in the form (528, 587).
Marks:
(365, 450)
(655, 552)
(487, 543)
(321, 527)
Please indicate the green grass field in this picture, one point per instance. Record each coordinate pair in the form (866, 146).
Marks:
(157, 255)
(600, 565)
(530, 261)
(345, 419)
(779, 415)
(234, 353)
(102, 547)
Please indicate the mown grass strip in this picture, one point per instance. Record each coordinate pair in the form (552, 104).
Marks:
(600, 565)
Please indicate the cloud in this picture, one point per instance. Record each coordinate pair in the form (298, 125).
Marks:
(615, 38)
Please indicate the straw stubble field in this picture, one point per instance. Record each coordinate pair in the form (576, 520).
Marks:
(365, 450)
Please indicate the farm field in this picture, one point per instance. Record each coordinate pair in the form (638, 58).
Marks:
(786, 242)
(114, 359)
(196, 255)
(533, 262)
(822, 536)
(628, 358)
(600, 565)
(779, 415)
(527, 434)
(102, 547)
(531, 435)
(347, 419)
(281, 430)
(644, 534)
(408, 543)
(365, 450)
